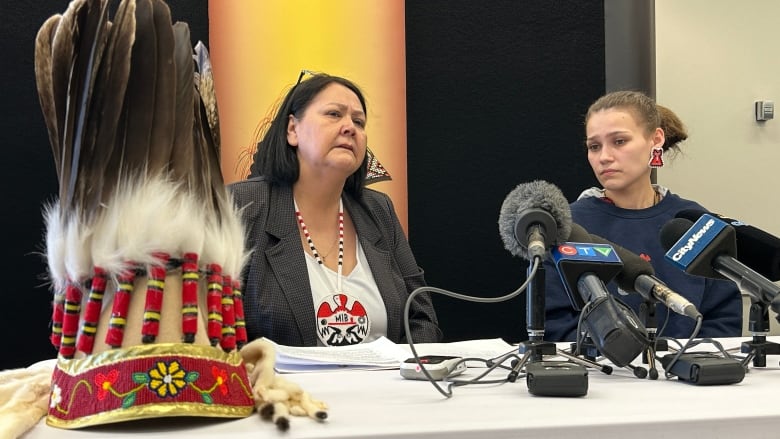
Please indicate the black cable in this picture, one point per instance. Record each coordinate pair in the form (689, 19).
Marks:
(492, 365)
(426, 289)
(691, 342)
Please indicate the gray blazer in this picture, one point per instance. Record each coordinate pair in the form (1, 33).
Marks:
(276, 287)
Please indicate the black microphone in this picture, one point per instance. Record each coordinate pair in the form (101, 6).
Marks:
(638, 276)
(756, 248)
(708, 248)
(533, 217)
(614, 327)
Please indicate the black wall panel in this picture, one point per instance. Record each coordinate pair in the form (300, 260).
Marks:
(496, 93)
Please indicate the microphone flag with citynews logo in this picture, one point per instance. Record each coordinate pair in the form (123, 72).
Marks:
(688, 252)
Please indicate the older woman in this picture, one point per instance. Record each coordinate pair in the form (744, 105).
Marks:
(330, 264)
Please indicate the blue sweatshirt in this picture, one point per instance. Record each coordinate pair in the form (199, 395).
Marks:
(637, 230)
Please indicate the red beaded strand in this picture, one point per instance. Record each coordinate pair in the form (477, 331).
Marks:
(155, 285)
(57, 314)
(228, 342)
(86, 341)
(70, 319)
(214, 303)
(189, 297)
(116, 324)
(238, 301)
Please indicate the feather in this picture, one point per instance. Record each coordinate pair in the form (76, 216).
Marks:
(224, 232)
(203, 144)
(135, 131)
(202, 168)
(89, 176)
(208, 120)
(68, 53)
(55, 246)
(111, 89)
(108, 93)
(181, 154)
(43, 81)
(208, 95)
(61, 63)
(161, 138)
(88, 22)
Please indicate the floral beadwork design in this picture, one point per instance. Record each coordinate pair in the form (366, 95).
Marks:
(56, 396)
(220, 379)
(105, 383)
(166, 379)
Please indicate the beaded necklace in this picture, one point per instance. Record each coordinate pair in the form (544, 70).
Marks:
(314, 249)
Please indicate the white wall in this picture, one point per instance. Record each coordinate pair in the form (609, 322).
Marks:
(714, 58)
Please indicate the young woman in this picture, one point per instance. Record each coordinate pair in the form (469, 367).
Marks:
(627, 135)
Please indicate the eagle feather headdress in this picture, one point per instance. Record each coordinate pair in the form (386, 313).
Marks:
(131, 113)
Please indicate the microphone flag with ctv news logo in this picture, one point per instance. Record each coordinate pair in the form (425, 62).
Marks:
(573, 259)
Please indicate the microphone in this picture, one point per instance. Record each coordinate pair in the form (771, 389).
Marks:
(533, 217)
(708, 248)
(614, 327)
(756, 248)
(638, 276)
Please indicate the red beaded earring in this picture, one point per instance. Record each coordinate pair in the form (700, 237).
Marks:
(656, 157)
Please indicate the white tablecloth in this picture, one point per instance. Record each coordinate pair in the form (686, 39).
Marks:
(381, 404)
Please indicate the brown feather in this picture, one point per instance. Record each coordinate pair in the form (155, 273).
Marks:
(62, 59)
(208, 117)
(182, 152)
(208, 93)
(88, 20)
(161, 136)
(90, 62)
(110, 89)
(201, 169)
(43, 81)
(135, 131)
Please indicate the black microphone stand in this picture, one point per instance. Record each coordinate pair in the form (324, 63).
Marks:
(550, 378)
(535, 298)
(647, 310)
(758, 326)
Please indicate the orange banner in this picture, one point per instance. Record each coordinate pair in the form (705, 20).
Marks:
(258, 48)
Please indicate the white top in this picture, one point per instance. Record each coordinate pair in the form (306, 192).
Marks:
(357, 315)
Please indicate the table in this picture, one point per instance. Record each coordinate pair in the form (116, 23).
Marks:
(381, 404)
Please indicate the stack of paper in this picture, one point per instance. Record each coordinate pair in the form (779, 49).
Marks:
(378, 354)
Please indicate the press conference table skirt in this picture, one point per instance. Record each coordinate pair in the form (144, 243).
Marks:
(381, 404)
